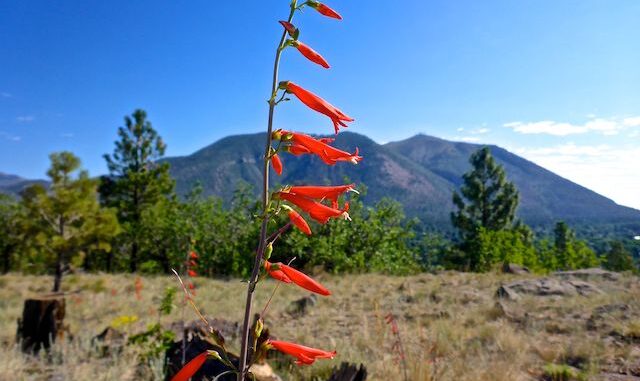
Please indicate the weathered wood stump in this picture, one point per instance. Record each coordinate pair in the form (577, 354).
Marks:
(349, 372)
(41, 323)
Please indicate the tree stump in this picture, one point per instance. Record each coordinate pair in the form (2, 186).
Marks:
(349, 372)
(41, 323)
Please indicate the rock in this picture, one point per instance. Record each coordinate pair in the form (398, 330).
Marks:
(109, 341)
(506, 292)
(349, 372)
(511, 268)
(584, 288)
(299, 307)
(588, 274)
(602, 316)
(230, 330)
(545, 287)
(616, 377)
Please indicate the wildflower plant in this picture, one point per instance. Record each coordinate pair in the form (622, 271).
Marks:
(320, 203)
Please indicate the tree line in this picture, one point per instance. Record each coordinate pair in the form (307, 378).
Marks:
(132, 220)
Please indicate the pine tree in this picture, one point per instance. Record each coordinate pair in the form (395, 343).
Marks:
(66, 219)
(10, 234)
(136, 181)
(486, 201)
(570, 252)
(618, 258)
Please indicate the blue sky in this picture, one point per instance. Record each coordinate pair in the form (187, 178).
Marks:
(557, 82)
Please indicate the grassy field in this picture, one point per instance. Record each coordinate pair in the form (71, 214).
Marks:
(451, 325)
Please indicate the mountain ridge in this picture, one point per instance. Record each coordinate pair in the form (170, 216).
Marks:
(420, 172)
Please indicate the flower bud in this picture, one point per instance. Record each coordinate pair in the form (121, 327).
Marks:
(214, 354)
(258, 328)
(276, 135)
(268, 250)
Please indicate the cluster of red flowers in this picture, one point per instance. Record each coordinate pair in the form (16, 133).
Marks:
(320, 203)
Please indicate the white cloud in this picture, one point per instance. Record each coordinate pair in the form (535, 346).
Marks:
(5, 95)
(10, 137)
(632, 122)
(607, 170)
(459, 129)
(25, 118)
(467, 139)
(601, 126)
(480, 131)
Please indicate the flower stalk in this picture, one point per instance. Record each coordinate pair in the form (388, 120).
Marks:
(244, 350)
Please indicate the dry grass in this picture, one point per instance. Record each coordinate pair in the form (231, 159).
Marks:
(450, 324)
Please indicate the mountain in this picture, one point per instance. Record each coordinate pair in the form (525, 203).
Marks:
(13, 184)
(420, 172)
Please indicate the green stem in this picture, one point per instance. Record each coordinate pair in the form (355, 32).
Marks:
(244, 350)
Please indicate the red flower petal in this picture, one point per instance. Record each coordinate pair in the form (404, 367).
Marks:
(276, 163)
(322, 192)
(300, 223)
(316, 210)
(311, 54)
(324, 10)
(303, 280)
(318, 104)
(190, 368)
(192, 273)
(305, 355)
(329, 155)
(276, 274)
(193, 255)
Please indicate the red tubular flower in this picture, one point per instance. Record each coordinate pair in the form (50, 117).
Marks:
(192, 273)
(304, 355)
(191, 286)
(276, 274)
(190, 368)
(318, 104)
(324, 10)
(300, 223)
(323, 192)
(193, 255)
(296, 277)
(276, 163)
(192, 263)
(303, 144)
(316, 210)
(297, 150)
(310, 54)
(326, 140)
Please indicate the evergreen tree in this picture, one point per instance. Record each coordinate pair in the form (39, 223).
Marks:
(571, 253)
(618, 258)
(487, 201)
(66, 219)
(10, 234)
(136, 181)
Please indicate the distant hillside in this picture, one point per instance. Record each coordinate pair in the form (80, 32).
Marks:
(13, 184)
(420, 172)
